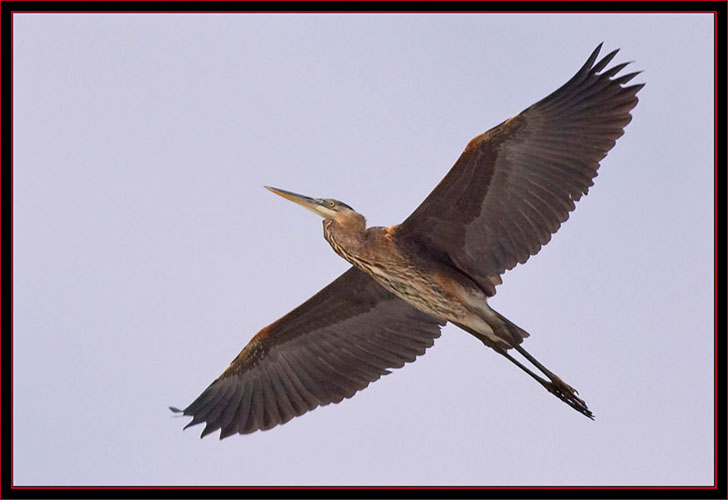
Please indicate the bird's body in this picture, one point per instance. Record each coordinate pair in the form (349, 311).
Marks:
(507, 194)
(414, 275)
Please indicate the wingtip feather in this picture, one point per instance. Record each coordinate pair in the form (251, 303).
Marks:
(604, 61)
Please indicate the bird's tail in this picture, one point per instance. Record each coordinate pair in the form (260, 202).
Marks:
(509, 334)
(506, 329)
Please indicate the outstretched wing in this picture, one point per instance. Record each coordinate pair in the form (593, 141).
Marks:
(514, 185)
(333, 345)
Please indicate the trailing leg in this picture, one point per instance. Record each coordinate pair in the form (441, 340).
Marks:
(554, 384)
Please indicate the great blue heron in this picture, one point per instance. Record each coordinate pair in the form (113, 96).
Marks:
(509, 191)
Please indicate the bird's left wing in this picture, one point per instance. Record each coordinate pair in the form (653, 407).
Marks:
(339, 341)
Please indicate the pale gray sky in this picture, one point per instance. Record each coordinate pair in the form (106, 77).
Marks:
(147, 253)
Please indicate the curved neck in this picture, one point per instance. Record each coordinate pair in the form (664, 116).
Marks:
(346, 235)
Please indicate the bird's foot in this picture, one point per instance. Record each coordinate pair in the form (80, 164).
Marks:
(568, 395)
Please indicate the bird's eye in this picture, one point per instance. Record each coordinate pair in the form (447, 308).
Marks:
(331, 203)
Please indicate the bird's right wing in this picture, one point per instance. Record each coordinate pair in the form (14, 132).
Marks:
(333, 345)
(515, 184)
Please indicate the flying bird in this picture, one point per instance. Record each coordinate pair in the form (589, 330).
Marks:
(507, 193)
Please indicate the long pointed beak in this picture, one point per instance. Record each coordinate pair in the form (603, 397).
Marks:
(306, 202)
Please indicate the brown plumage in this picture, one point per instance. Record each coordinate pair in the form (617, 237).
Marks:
(336, 343)
(505, 196)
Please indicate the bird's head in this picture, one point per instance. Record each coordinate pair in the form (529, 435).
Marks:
(327, 208)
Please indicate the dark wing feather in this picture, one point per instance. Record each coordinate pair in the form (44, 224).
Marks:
(333, 345)
(515, 184)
